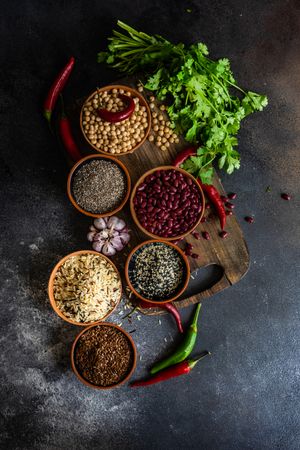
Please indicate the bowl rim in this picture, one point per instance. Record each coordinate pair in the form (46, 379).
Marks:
(88, 383)
(133, 213)
(51, 282)
(187, 271)
(132, 91)
(82, 161)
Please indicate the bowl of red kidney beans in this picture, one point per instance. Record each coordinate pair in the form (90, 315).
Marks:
(167, 203)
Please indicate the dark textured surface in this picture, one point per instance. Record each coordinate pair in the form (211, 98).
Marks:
(246, 396)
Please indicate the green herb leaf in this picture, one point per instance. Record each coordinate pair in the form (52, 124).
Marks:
(199, 91)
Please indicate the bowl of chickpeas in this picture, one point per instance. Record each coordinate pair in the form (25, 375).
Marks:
(104, 123)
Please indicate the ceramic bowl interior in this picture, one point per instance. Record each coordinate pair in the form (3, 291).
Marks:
(51, 290)
(134, 93)
(141, 180)
(133, 359)
(87, 160)
(130, 270)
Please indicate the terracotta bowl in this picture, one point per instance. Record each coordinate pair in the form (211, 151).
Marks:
(140, 181)
(51, 283)
(90, 158)
(186, 272)
(86, 382)
(142, 102)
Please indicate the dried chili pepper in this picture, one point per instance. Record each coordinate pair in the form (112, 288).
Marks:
(183, 155)
(67, 136)
(214, 196)
(68, 140)
(181, 368)
(184, 348)
(170, 307)
(119, 116)
(211, 192)
(57, 88)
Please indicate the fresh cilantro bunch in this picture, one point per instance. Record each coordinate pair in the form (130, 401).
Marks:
(198, 90)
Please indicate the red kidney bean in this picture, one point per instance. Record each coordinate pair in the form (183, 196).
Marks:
(249, 219)
(195, 255)
(206, 235)
(204, 219)
(196, 235)
(229, 213)
(207, 206)
(229, 205)
(223, 234)
(286, 196)
(232, 195)
(224, 199)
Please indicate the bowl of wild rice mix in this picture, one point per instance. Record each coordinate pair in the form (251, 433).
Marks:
(110, 134)
(84, 287)
(98, 185)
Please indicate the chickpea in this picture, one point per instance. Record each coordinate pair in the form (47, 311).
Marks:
(151, 138)
(160, 117)
(171, 140)
(161, 133)
(162, 107)
(167, 144)
(158, 138)
(158, 143)
(151, 105)
(162, 128)
(152, 98)
(121, 91)
(155, 121)
(84, 122)
(163, 140)
(154, 115)
(140, 88)
(177, 140)
(115, 91)
(163, 147)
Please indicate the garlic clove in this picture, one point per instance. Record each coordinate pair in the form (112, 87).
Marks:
(91, 235)
(98, 245)
(125, 238)
(92, 228)
(100, 223)
(108, 249)
(117, 243)
(116, 223)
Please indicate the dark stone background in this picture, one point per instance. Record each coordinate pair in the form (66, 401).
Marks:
(246, 396)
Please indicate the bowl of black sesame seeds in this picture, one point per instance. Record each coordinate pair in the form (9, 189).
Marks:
(98, 185)
(157, 271)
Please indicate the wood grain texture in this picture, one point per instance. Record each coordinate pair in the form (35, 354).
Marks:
(230, 253)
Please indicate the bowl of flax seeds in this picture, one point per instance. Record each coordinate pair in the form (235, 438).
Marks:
(103, 356)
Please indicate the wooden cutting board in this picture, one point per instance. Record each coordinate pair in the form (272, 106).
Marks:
(228, 258)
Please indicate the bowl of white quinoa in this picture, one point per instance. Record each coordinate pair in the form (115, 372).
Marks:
(84, 287)
(118, 138)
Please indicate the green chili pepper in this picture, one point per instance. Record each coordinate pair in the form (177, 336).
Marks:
(184, 348)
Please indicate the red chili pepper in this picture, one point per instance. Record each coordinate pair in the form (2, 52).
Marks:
(214, 196)
(170, 307)
(56, 88)
(68, 140)
(181, 368)
(119, 116)
(211, 192)
(183, 155)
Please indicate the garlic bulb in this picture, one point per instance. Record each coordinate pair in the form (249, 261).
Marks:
(108, 235)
